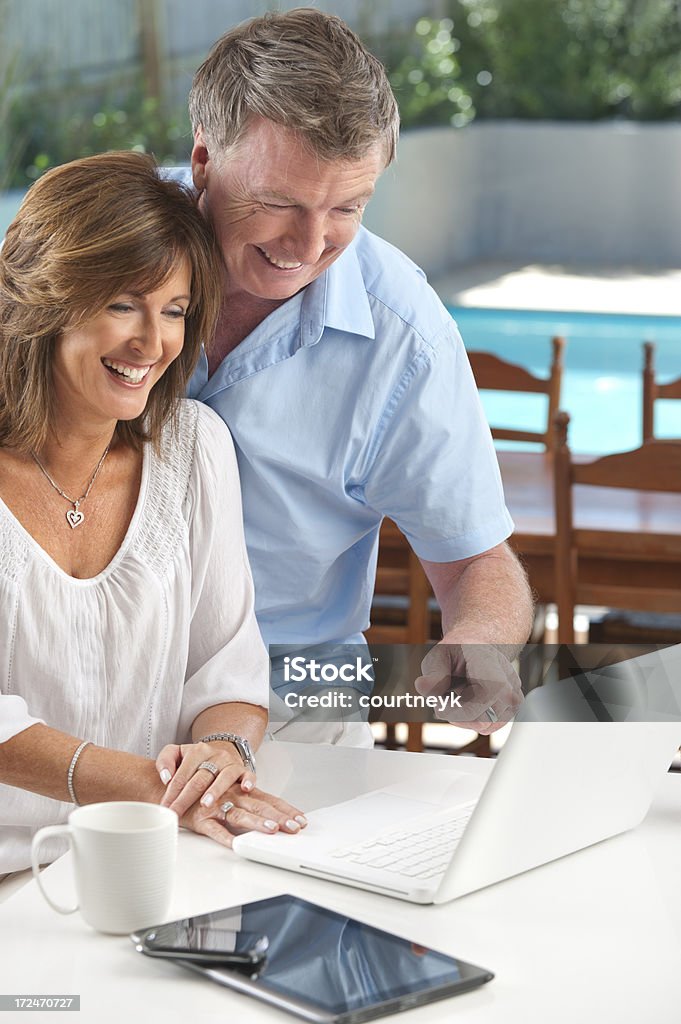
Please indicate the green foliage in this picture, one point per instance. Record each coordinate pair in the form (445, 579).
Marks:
(562, 59)
(426, 78)
(11, 145)
(56, 128)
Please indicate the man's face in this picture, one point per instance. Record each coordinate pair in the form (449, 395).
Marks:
(282, 215)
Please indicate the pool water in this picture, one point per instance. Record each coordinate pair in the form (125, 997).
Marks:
(602, 377)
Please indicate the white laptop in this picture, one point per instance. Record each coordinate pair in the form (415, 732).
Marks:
(581, 763)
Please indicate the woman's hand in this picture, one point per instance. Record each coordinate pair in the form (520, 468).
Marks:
(223, 797)
(187, 782)
(256, 811)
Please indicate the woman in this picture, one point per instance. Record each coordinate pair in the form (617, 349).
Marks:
(126, 601)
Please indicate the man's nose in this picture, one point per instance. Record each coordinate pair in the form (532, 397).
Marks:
(308, 238)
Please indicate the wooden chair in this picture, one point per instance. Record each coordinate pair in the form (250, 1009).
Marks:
(495, 374)
(652, 391)
(400, 612)
(654, 467)
(630, 627)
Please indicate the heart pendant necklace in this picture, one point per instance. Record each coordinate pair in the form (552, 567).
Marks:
(74, 516)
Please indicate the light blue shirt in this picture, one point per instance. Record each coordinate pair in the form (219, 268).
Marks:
(352, 401)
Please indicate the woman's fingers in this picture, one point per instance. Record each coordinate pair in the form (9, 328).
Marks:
(196, 774)
(167, 762)
(229, 819)
(260, 812)
(213, 829)
(194, 789)
(237, 812)
(222, 783)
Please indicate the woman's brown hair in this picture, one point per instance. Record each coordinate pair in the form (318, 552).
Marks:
(86, 232)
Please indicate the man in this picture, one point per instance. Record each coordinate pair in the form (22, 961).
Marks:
(340, 374)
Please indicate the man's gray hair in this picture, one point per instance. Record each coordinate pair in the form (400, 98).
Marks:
(304, 70)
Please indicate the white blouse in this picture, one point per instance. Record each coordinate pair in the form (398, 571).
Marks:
(128, 658)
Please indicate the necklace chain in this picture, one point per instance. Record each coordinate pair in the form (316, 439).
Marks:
(74, 516)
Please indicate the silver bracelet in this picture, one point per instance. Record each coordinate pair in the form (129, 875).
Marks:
(72, 768)
(243, 747)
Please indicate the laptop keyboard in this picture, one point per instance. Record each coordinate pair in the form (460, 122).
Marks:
(421, 851)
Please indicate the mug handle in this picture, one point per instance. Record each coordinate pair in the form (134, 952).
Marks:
(45, 833)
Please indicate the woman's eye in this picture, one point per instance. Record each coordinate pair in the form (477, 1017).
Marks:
(176, 314)
(121, 307)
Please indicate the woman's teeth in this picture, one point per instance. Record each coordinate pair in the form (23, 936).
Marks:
(282, 264)
(134, 374)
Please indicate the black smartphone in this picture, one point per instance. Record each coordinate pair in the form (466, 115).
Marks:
(195, 938)
(330, 968)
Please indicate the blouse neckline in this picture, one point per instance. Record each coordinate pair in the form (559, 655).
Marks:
(118, 555)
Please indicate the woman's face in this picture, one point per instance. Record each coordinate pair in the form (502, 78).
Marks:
(103, 370)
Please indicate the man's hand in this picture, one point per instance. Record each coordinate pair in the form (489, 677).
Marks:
(483, 677)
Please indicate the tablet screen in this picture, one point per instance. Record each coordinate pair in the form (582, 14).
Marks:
(336, 963)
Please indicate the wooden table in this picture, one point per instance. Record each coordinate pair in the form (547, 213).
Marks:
(608, 574)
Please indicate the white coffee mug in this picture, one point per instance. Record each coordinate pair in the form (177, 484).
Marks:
(123, 860)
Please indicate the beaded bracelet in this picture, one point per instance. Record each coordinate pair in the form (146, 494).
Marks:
(72, 768)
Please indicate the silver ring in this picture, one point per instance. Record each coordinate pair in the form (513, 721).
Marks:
(492, 715)
(210, 767)
(226, 808)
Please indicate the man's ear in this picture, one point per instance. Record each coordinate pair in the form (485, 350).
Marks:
(200, 158)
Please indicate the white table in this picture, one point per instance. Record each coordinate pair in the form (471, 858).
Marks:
(595, 936)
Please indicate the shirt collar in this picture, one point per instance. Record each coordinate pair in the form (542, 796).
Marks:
(338, 300)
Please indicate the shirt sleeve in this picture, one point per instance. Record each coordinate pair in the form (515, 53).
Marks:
(227, 658)
(14, 716)
(435, 471)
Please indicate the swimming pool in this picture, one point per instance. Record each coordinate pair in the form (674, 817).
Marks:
(602, 378)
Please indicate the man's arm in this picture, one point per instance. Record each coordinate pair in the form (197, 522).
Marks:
(487, 607)
(485, 599)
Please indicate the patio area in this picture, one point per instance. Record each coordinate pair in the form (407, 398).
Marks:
(562, 288)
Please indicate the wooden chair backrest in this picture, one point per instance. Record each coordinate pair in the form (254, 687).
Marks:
(495, 374)
(399, 573)
(652, 390)
(656, 466)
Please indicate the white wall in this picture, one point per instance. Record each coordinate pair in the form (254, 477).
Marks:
(597, 194)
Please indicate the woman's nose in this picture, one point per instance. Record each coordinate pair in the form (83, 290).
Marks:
(148, 338)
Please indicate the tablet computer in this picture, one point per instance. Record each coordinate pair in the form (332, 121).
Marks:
(329, 968)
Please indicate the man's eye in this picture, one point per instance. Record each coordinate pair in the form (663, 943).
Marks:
(277, 206)
(349, 209)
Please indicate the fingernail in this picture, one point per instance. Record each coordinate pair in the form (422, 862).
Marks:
(247, 785)
(301, 819)
(293, 825)
(207, 800)
(165, 776)
(271, 825)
